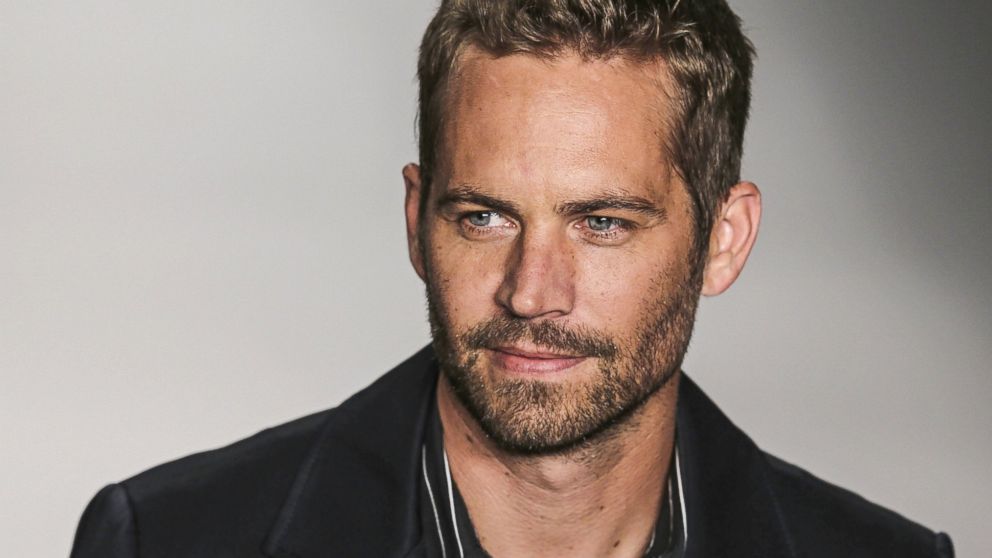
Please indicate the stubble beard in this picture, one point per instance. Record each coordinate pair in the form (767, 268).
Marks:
(535, 417)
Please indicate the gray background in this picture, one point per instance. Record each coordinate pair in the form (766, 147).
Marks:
(201, 235)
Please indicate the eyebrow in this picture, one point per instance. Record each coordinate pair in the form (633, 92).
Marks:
(612, 200)
(469, 194)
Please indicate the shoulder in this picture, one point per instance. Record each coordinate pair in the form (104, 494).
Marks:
(747, 498)
(220, 502)
(260, 469)
(267, 458)
(826, 520)
(226, 501)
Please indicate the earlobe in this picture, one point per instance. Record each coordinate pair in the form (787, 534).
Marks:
(732, 238)
(412, 181)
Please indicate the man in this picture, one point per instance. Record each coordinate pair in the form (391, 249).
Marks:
(577, 192)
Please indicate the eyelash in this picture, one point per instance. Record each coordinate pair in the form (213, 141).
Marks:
(620, 226)
(463, 220)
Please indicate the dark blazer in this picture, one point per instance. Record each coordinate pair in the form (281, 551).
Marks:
(344, 483)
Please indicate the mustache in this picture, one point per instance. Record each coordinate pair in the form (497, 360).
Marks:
(502, 330)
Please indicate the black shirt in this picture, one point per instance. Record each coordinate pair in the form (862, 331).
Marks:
(448, 530)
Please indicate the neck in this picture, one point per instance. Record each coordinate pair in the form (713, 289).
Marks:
(600, 499)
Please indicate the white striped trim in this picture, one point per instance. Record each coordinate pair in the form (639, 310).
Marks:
(647, 551)
(685, 518)
(671, 512)
(451, 500)
(671, 520)
(430, 492)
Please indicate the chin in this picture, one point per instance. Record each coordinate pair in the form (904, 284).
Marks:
(541, 415)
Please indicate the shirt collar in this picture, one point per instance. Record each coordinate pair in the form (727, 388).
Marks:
(447, 528)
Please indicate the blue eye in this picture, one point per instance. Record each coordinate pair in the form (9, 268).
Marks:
(480, 219)
(485, 219)
(603, 224)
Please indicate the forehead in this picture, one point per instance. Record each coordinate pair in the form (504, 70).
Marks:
(527, 120)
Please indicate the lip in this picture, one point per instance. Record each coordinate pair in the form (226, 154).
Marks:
(526, 361)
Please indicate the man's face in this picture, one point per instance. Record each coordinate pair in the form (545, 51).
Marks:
(556, 246)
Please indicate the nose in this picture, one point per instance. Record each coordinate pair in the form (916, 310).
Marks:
(539, 280)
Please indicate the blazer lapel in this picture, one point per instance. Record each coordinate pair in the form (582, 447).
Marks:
(356, 493)
(730, 509)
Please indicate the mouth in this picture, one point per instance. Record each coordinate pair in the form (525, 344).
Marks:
(533, 361)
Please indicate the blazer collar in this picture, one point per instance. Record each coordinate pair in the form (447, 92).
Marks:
(356, 493)
(730, 507)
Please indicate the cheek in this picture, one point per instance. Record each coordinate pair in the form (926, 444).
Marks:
(615, 288)
(464, 278)
(610, 298)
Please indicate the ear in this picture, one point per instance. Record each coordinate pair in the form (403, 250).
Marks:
(411, 178)
(732, 237)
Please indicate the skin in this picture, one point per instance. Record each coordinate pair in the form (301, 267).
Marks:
(502, 235)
